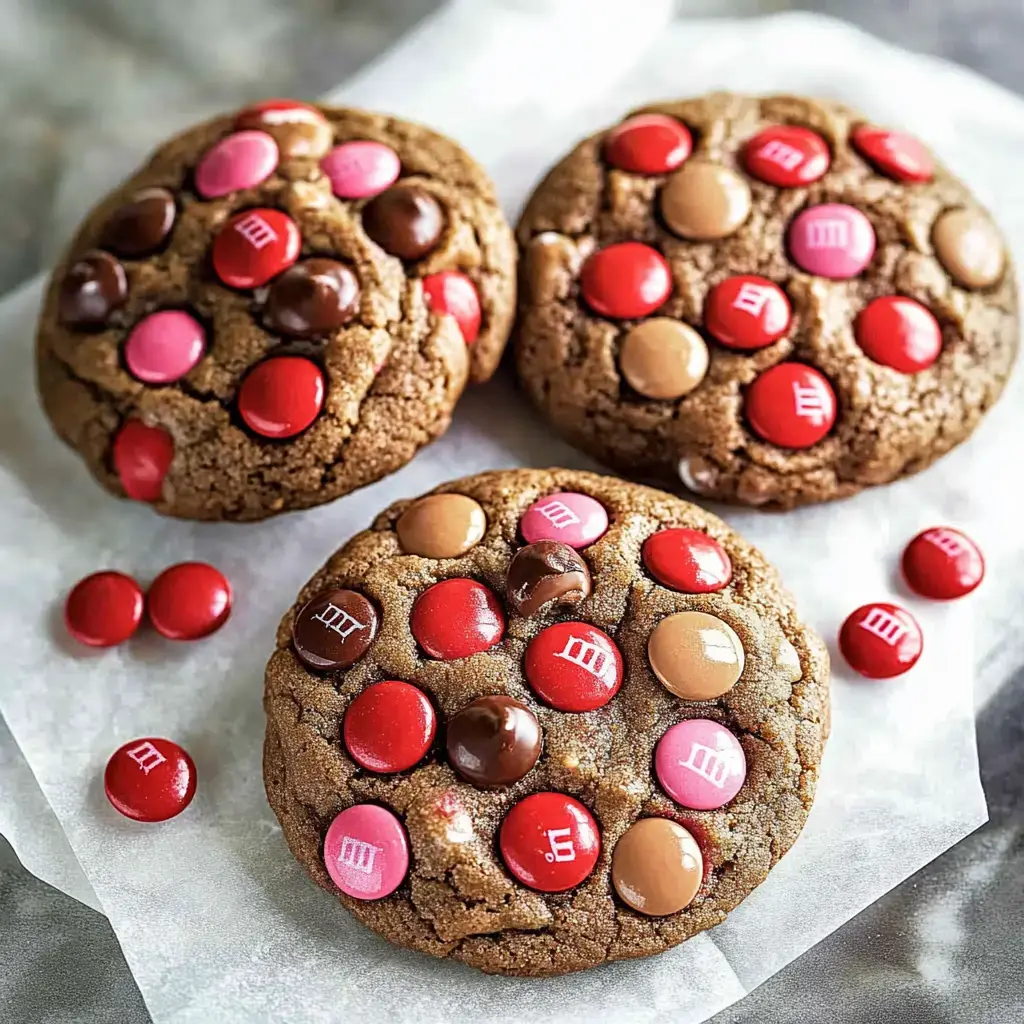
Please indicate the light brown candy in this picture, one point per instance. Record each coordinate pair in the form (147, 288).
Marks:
(695, 655)
(969, 247)
(657, 867)
(704, 201)
(663, 358)
(441, 526)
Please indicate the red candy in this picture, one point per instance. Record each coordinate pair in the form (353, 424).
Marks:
(550, 842)
(626, 280)
(255, 246)
(457, 618)
(452, 292)
(687, 560)
(747, 312)
(895, 154)
(881, 641)
(150, 779)
(900, 333)
(573, 666)
(389, 726)
(791, 405)
(943, 564)
(787, 155)
(142, 456)
(648, 144)
(189, 601)
(282, 396)
(104, 609)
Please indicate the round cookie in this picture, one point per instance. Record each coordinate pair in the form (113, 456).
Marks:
(553, 735)
(798, 238)
(282, 305)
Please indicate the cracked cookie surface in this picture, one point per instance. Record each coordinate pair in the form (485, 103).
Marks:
(674, 406)
(461, 898)
(331, 237)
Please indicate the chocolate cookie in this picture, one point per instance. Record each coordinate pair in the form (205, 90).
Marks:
(283, 305)
(769, 301)
(582, 728)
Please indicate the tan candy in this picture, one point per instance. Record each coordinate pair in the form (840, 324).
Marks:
(657, 867)
(441, 526)
(969, 247)
(695, 655)
(703, 201)
(663, 358)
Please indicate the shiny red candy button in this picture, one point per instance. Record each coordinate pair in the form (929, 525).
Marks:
(573, 666)
(452, 292)
(255, 246)
(104, 609)
(625, 280)
(895, 154)
(648, 144)
(881, 641)
(791, 405)
(389, 726)
(457, 618)
(142, 456)
(687, 560)
(189, 601)
(550, 842)
(282, 396)
(943, 564)
(747, 312)
(899, 332)
(787, 155)
(150, 779)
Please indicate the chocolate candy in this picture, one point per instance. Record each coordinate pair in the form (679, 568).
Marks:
(405, 221)
(833, 240)
(298, 129)
(546, 573)
(943, 564)
(441, 526)
(791, 405)
(695, 655)
(687, 560)
(189, 601)
(881, 640)
(366, 852)
(360, 169)
(282, 396)
(164, 346)
(700, 764)
(703, 202)
(569, 517)
(240, 161)
(255, 246)
(92, 289)
(452, 292)
(747, 312)
(895, 154)
(573, 666)
(663, 358)
(657, 867)
(334, 630)
(104, 609)
(626, 280)
(150, 779)
(550, 842)
(969, 247)
(457, 618)
(648, 144)
(311, 298)
(494, 741)
(141, 225)
(389, 727)
(787, 155)
(142, 457)
(899, 332)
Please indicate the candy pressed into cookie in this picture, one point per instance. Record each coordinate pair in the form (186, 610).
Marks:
(539, 720)
(284, 304)
(770, 301)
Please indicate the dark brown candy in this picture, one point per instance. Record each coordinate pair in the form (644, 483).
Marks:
(405, 221)
(94, 286)
(546, 572)
(311, 298)
(494, 741)
(334, 629)
(141, 225)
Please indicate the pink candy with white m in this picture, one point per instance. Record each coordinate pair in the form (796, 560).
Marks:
(700, 764)
(366, 852)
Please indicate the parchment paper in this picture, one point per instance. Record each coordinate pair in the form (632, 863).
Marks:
(216, 920)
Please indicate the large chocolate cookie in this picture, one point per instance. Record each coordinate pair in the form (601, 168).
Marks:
(768, 300)
(253, 322)
(537, 720)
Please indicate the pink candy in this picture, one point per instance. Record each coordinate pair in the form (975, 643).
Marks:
(360, 169)
(832, 240)
(700, 764)
(164, 346)
(237, 162)
(574, 519)
(366, 852)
